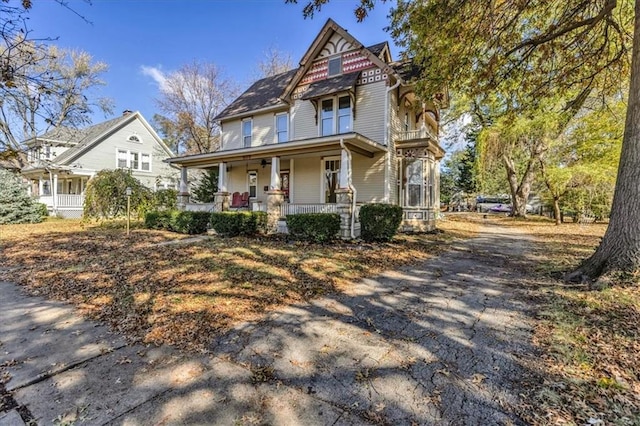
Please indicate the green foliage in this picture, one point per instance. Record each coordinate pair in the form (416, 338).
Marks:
(205, 188)
(379, 222)
(16, 206)
(42, 208)
(232, 224)
(314, 227)
(105, 197)
(184, 222)
(164, 199)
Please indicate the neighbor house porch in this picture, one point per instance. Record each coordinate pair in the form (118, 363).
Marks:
(61, 190)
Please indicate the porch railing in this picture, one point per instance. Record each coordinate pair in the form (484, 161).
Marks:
(197, 207)
(292, 208)
(63, 200)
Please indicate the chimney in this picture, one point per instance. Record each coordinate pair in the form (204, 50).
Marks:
(126, 112)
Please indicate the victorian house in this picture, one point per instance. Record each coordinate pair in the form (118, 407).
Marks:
(343, 129)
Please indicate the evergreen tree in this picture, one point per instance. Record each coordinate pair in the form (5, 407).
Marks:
(16, 206)
(204, 189)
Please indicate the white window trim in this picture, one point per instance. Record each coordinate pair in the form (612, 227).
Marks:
(336, 108)
(250, 135)
(140, 154)
(249, 172)
(322, 177)
(286, 114)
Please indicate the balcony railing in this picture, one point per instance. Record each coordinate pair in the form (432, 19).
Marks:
(422, 133)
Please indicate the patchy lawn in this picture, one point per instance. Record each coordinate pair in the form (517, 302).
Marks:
(590, 340)
(184, 294)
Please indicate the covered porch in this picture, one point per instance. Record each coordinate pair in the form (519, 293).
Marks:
(60, 189)
(322, 175)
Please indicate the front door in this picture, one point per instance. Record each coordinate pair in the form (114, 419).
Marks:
(284, 184)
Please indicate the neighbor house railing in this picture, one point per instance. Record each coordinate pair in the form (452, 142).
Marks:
(63, 200)
(200, 207)
(291, 208)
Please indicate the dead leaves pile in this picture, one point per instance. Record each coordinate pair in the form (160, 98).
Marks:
(186, 294)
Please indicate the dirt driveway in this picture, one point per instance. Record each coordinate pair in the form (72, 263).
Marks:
(444, 342)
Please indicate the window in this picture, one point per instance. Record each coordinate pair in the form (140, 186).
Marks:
(246, 132)
(282, 127)
(415, 183)
(134, 138)
(344, 114)
(330, 116)
(252, 180)
(135, 160)
(327, 117)
(122, 159)
(146, 162)
(47, 152)
(46, 187)
(331, 176)
(406, 121)
(335, 66)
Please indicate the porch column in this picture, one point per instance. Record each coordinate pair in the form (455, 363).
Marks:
(221, 198)
(40, 187)
(54, 192)
(183, 193)
(344, 195)
(275, 196)
(275, 185)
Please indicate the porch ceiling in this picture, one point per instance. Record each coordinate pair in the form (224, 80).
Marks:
(354, 141)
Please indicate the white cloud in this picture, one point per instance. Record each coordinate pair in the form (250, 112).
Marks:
(157, 75)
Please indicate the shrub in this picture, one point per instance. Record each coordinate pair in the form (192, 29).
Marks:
(187, 222)
(158, 219)
(184, 222)
(314, 227)
(232, 224)
(165, 199)
(16, 206)
(105, 197)
(379, 222)
(42, 209)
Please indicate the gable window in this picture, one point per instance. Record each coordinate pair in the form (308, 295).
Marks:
(134, 138)
(282, 127)
(145, 162)
(247, 127)
(336, 120)
(335, 66)
(252, 180)
(122, 159)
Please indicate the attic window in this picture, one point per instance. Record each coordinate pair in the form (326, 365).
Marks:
(134, 138)
(335, 66)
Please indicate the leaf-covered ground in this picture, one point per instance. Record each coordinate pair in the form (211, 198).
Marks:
(183, 294)
(589, 340)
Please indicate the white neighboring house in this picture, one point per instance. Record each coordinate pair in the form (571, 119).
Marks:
(343, 129)
(61, 161)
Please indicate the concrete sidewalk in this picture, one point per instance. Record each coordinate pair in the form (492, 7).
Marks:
(440, 343)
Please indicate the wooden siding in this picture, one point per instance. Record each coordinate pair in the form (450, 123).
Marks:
(104, 154)
(370, 110)
(263, 132)
(303, 121)
(306, 180)
(368, 178)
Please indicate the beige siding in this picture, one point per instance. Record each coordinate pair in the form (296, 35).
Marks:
(103, 155)
(305, 186)
(303, 121)
(370, 110)
(368, 178)
(263, 132)
(231, 135)
(395, 124)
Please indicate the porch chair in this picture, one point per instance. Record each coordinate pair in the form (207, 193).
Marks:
(244, 200)
(236, 201)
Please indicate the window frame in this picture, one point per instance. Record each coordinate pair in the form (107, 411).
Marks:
(247, 137)
(278, 131)
(249, 174)
(129, 162)
(334, 60)
(336, 115)
(323, 176)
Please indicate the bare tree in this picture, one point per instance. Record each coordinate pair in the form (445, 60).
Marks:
(191, 98)
(53, 88)
(274, 62)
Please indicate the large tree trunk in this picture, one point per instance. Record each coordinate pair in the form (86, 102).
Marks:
(556, 210)
(619, 250)
(520, 190)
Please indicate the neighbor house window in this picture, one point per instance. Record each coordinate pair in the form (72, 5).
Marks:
(134, 138)
(252, 180)
(282, 127)
(146, 162)
(247, 127)
(335, 66)
(122, 159)
(135, 160)
(336, 120)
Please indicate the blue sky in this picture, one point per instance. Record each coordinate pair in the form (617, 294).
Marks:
(140, 39)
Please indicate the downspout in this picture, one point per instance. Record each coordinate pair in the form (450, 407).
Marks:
(387, 139)
(352, 188)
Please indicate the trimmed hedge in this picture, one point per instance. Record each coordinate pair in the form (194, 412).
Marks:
(314, 227)
(379, 222)
(232, 224)
(184, 222)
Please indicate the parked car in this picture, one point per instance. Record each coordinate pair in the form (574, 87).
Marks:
(501, 208)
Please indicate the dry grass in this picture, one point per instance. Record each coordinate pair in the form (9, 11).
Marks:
(184, 294)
